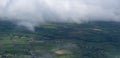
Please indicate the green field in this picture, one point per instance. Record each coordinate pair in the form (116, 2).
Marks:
(61, 40)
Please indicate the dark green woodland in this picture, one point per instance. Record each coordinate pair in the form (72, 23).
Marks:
(61, 40)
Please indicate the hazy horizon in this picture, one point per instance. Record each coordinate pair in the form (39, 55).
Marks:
(31, 13)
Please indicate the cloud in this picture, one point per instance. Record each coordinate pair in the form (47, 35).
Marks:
(31, 13)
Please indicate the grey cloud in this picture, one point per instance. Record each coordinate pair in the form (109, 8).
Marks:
(31, 13)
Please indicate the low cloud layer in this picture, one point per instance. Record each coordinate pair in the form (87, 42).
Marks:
(30, 13)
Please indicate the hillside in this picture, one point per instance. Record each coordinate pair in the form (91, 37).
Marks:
(61, 40)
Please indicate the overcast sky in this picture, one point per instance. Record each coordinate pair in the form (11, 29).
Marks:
(31, 13)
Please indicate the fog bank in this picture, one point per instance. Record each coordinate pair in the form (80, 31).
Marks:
(30, 13)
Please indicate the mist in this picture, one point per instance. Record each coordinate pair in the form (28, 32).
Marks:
(31, 13)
